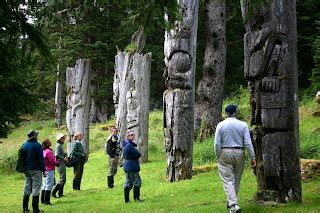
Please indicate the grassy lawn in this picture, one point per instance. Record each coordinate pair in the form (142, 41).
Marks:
(203, 193)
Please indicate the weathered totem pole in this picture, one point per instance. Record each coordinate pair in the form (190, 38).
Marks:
(78, 101)
(178, 99)
(131, 89)
(270, 47)
(58, 99)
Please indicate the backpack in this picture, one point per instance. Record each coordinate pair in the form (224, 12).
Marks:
(20, 161)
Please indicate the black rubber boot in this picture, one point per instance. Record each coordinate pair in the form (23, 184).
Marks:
(75, 183)
(54, 190)
(47, 197)
(136, 194)
(60, 192)
(78, 184)
(110, 181)
(43, 195)
(25, 203)
(35, 204)
(126, 195)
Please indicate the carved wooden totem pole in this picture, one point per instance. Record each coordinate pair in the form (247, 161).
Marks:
(78, 101)
(131, 89)
(180, 57)
(271, 67)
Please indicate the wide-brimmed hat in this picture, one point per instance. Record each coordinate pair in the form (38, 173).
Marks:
(32, 133)
(231, 108)
(60, 135)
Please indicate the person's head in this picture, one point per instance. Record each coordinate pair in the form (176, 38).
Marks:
(33, 134)
(114, 131)
(61, 138)
(77, 136)
(131, 136)
(231, 110)
(46, 144)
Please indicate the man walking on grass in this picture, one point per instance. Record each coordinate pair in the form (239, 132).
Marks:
(33, 163)
(231, 136)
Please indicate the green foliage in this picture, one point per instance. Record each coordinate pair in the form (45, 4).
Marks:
(19, 40)
(315, 77)
(203, 153)
(9, 161)
(307, 16)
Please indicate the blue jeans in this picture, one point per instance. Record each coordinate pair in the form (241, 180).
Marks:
(48, 181)
(32, 182)
(132, 179)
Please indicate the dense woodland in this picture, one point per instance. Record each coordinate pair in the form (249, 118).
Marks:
(39, 39)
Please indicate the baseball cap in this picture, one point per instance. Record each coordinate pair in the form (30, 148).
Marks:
(231, 108)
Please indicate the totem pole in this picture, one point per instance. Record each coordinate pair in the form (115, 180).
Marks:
(178, 99)
(270, 48)
(78, 101)
(131, 92)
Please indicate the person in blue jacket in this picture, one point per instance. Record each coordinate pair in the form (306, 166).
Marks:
(33, 163)
(132, 168)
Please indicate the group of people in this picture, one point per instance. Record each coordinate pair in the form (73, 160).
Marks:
(231, 138)
(39, 160)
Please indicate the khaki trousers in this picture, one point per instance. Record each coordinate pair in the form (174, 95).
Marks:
(230, 166)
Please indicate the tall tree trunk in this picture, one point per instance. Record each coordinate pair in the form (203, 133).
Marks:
(180, 56)
(78, 101)
(271, 68)
(131, 89)
(211, 86)
(58, 99)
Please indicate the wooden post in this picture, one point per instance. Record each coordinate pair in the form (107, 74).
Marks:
(131, 92)
(58, 99)
(270, 64)
(78, 101)
(180, 57)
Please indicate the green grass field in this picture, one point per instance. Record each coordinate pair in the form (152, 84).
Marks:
(202, 193)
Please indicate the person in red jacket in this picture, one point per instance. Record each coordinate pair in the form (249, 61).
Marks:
(50, 162)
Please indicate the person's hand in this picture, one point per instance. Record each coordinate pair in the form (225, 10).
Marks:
(253, 164)
(66, 159)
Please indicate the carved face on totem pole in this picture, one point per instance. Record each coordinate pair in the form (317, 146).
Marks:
(178, 73)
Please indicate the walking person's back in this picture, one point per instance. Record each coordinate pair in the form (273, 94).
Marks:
(231, 137)
(33, 167)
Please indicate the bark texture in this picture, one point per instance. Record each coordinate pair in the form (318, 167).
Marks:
(78, 101)
(58, 100)
(210, 89)
(180, 57)
(271, 68)
(131, 93)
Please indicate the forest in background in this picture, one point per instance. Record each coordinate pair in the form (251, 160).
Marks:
(97, 30)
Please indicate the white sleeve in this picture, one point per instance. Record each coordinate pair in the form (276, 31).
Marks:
(217, 142)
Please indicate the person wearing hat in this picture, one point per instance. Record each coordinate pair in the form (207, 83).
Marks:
(77, 151)
(231, 137)
(62, 157)
(33, 163)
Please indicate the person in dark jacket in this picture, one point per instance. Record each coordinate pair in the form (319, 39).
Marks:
(62, 157)
(77, 151)
(132, 168)
(33, 167)
(113, 150)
